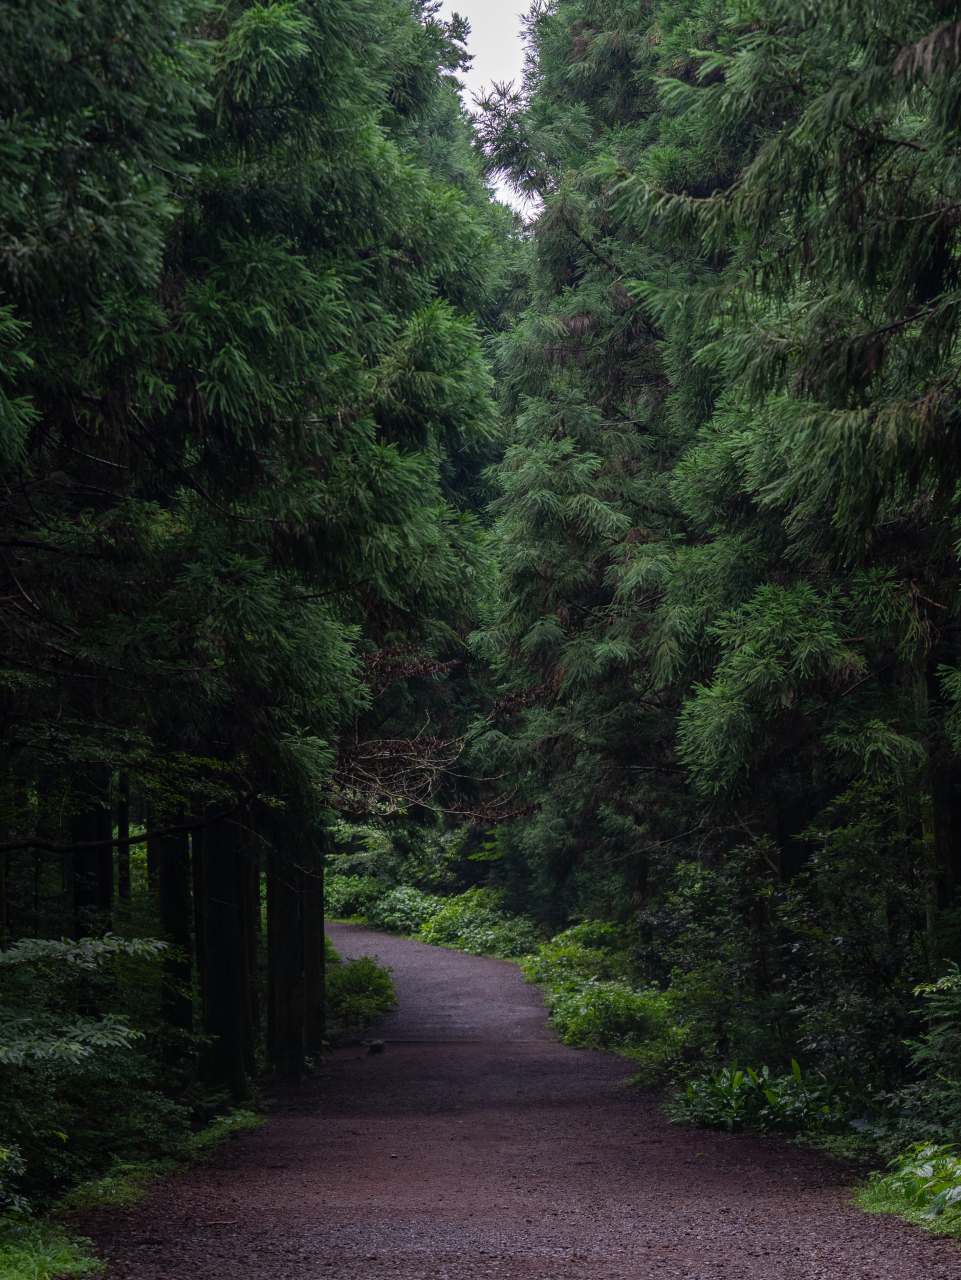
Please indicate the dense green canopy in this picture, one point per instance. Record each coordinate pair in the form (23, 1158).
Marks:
(606, 563)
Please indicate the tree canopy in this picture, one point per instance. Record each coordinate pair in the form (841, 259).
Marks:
(600, 568)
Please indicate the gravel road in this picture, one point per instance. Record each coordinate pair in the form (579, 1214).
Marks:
(478, 1146)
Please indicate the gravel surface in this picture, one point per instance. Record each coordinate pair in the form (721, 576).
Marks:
(476, 1145)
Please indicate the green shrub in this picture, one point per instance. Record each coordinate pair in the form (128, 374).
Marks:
(331, 956)
(937, 1056)
(733, 1099)
(349, 895)
(924, 1182)
(597, 935)
(356, 993)
(81, 1086)
(36, 1251)
(474, 922)
(404, 910)
(12, 1169)
(567, 962)
(607, 1015)
(593, 1004)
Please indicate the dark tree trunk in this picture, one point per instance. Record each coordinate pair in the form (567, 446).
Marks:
(91, 870)
(174, 877)
(225, 984)
(123, 834)
(285, 968)
(197, 884)
(250, 873)
(314, 956)
(946, 828)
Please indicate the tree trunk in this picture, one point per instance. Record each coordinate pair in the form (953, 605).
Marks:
(174, 883)
(197, 885)
(314, 956)
(250, 873)
(285, 968)
(225, 985)
(91, 871)
(123, 834)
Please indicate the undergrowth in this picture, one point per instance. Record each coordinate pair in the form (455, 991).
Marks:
(356, 992)
(923, 1185)
(40, 1251)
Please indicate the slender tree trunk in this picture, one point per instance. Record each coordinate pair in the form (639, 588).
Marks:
(197, 885)
(285, 968)
(5, 797)
(123, 833)
(250, 876)
(91, 876)
(174, 878)
(314, 956)
(225, 985)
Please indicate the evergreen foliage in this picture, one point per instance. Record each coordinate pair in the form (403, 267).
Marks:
(597, 572)
(248, 261)
(725, 635)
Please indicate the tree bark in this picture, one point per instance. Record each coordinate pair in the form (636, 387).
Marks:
(123, 833)
(285, 968)
(174, 884)
(250, 873)
(314, 956)
(91, 871)
(225, 985)
(197, 887)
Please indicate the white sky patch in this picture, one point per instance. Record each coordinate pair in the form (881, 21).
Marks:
(495, 42)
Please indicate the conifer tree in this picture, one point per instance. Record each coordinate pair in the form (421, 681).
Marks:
(242, 345)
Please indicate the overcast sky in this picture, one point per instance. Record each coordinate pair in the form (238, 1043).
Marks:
(495, 42)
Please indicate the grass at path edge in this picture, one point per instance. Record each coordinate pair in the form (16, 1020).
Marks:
(45, 1249)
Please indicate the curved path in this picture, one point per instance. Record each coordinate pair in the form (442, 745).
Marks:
(478, 1146)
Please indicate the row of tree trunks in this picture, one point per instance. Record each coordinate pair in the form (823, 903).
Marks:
(207, 884)
(295, 949)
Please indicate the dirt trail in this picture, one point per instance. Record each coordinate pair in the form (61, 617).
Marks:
(477, 1146)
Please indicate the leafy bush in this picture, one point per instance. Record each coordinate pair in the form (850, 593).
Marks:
(592, 1002)
(357, 992)
(331, 955)
(820, 969)
(733, 1099)
(474, 922)
(78, 1079)
(926, 1178)
(349, 895)
(404, 910)
(607, 1015)
(569, 959)
(35, 1251)
(12, 1169)
(937, 1055)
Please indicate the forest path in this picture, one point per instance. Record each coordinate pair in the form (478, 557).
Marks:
(478, 1146)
